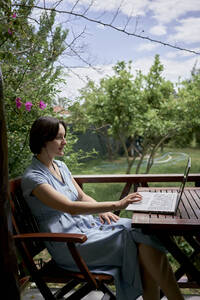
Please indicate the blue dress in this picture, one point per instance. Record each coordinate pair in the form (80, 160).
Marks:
(110, 249)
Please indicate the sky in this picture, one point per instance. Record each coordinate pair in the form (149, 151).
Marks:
(175, 22)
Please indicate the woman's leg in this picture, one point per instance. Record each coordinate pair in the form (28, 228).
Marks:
(151, 290)
(156, 263)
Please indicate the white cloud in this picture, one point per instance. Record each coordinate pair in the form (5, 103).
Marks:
(181, 54)
(100, 26)
(188, 31)
(173, 70)
(127, 7)
(166, 11)
(158, 30)
(147, 46)
(171, 54)
(78, 79)
(142, 64)
(163, 11)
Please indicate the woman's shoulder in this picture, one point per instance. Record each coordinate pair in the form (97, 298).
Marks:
(62, 165)
(31, 172)
(34, 174)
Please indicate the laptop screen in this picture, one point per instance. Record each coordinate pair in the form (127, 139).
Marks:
(185, 177)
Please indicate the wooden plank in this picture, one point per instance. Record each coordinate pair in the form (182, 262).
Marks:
(135, 178)
(190, 205)
(183, 208)
(174, 225)
(195, 202)
(140, 219)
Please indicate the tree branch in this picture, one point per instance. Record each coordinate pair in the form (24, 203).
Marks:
(117, 12)
(110, 25)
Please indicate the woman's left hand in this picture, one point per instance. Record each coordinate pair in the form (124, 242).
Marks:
(108, 217)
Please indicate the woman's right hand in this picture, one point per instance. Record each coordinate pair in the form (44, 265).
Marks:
(129, 199)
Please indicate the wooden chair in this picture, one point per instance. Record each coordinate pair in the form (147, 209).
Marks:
(30, 242)
(23, 283)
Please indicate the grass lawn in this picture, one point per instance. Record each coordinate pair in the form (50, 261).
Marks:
(170, 161)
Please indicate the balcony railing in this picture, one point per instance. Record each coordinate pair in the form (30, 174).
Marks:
(136, 180)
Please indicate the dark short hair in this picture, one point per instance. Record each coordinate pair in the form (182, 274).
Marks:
(43, 130)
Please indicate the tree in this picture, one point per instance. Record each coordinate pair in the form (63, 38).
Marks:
(129, 108)
(28, 57)
(159, 122)
(8, 260)
(113, 107)
(29, 53)
(188, 98)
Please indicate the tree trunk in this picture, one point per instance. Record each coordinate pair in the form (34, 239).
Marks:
(8, 261)
(109, 148)
(153, 152)
(123, 143)
(150, 159)
(140, 162)
(131, 162)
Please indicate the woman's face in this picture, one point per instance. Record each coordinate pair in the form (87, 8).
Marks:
(56, 147)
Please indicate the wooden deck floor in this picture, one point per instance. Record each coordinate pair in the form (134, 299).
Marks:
(30, 294)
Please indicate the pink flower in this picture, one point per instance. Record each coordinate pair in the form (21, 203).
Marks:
(28, 106)
(18, 102)
(14, 15)
(42, 105)
(10, 31)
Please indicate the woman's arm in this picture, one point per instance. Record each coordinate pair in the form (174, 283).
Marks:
(49, 196)
(105, 216)
(81, 195)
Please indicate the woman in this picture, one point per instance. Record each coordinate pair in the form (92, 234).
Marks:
(137, 261)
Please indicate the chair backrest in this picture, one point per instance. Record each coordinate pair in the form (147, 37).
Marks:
(22, 219)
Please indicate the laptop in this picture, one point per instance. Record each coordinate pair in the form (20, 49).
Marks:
(163, 202)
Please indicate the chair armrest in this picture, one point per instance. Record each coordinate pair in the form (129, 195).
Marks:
(57, 237)
(70, 239)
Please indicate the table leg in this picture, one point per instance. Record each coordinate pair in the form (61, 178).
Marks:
(184, 261)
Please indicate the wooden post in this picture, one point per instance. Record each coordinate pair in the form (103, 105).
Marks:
(8, 262)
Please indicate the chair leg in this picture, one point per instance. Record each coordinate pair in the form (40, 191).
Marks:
(81, 292)
(66, 288)
(108, 293)
(44, 290)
